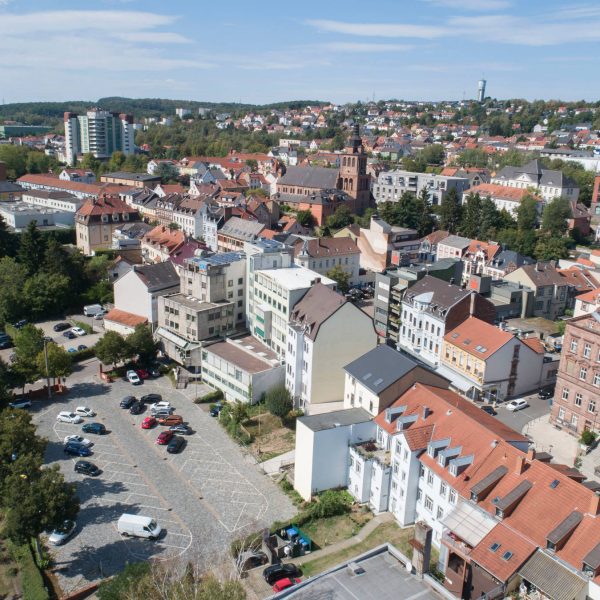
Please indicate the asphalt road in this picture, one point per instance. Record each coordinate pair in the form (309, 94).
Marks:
(203, 497)
(518, 420)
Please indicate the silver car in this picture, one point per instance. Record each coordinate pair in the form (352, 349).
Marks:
(61, 534)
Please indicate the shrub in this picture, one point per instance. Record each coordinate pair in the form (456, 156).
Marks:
(82, 355)
(588, 437)
(278, 401)
(328, 504)
(210, 397)
(31, 578)
(119, 585)
(87, 328)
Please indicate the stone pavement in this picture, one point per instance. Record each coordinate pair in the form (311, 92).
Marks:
(272, 466)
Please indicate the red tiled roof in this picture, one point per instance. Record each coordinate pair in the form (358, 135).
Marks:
(502, 192)
(105, 205)
(475, 333)
(535, 344)
(123, 317)
(93, 189)
(590, 296)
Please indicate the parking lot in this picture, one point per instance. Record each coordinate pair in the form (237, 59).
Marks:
(203, 497)
(518, 420)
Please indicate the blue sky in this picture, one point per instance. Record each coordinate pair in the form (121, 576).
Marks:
(265, 51)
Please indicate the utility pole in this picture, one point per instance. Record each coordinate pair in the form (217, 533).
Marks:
(47, 370)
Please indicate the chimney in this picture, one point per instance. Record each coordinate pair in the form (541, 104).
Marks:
(519, 465)
(472, 306)
(595, 504)
(531, 454)
(426, 412)
(164, 228)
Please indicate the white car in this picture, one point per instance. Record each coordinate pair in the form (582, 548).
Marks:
(77, 439)
(160, 405)
(61, 534)
(21, 403)
(133, 378)
(99, 316)
(68, 417)
(515, 405)
(78, 331)
(84, 411)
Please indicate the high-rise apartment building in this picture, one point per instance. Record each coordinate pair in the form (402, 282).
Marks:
(99, 133)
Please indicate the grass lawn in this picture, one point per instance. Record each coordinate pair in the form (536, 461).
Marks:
(388, 532)
(10, 580)
(274, 439)
(325, 532)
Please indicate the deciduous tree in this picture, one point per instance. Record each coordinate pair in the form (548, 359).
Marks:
(111, 348)
(341, 277)
(278, 401)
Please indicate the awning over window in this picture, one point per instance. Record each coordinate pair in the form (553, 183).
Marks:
(179, 341)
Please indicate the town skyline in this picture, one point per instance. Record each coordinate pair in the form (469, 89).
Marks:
(437, 51)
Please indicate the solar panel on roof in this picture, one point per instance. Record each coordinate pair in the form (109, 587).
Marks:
(377, 382)
(367, 376)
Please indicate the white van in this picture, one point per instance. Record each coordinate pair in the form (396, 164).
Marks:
(138, 526)
(92, 310)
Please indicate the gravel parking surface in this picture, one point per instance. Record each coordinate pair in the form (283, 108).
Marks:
(203, 497)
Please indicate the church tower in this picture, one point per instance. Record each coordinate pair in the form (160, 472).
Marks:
(353, 172)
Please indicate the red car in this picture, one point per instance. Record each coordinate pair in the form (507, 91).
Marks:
(284, 584)
(142, 373)
(164, 437)
(148, 423)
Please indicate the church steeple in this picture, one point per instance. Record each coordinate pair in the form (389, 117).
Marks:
(353, 172)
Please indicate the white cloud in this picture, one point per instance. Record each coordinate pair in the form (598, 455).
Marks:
(366, 47)
(388, 30)
(473, 5)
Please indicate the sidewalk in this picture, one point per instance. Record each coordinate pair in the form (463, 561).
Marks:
(373, 524)
(272, 466)
(563, 447)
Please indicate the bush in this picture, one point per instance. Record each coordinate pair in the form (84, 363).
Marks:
(116, 587)
(278, 401)
(87, 328)
(81, 355)
(31, 578)
(328, 504)
(588, 437)
(210, 397)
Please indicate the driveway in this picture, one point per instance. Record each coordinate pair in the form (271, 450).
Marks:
(204, 497)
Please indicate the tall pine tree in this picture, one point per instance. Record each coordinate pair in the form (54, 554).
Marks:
(470, 223)
(450, 212)
(32, 249)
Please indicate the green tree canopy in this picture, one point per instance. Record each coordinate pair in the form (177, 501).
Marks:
(142, 344)
(112, 348)
(59, 362)
(527, 214)
(12, 281)
(47, 294)
(471, 216)
(340, 218)
(554, 217)
(31, 249)
(425, 221)
(29, 342)
(341, 277)
(305, 218)
(551, 248)
(450, 212)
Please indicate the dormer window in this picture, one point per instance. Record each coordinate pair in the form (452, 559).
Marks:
(105, 218)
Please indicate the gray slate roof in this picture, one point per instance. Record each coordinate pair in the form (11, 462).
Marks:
(379, 368)
(242, 229)
(158, 276)
(456, 241)
(443, 294)
(537, 175)
(337, 418)
(311, 177)
(318, 304)
(507, 257)
(132, 176)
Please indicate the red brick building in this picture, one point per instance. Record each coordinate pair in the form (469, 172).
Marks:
(577, 396)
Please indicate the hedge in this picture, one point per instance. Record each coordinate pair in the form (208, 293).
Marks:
(210, 397)
(32, 581)
(82, 355)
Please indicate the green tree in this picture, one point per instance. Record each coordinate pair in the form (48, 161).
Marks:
(111, 348)
(15, 158)
(252, 164)
(527, 214)
(305, 218)
(551, 248)
(142, 344)
(29, 342)
(491, 220)
(554, 217)
(340, 218)
(168, 172)
(8, 241)
(278, 401)
(425, 220)
(31, 249)
(59, 362)
(123, 583)
(341, 277)
(473, 157)
(471, 217)
(56, 259)
(12, 281)
(433, 154)
(47, 294)
(450, 212)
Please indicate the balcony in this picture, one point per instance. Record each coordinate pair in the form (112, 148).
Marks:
(372, 451)
(457, 544)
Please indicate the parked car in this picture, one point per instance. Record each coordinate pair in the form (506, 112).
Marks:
(546, 393)
(284, 584)
(170, 420)
(216, 409)
(138, 526)
(164, 437)
(148, 423)
(6, 343)
(142, 373)
(69, 335)
(81, 347)
(61, 534)
(61, 326)
(77, 450)
(20, 324)
(71, 350)
(77, 439)
(127, 401)
(78, 331)
(97, 428)
(92, 310)
(136, 408)
(159, 405)
(276, 572)
(154, 372)
(87, 468)
(84, 411)
(20, 403)
(515, 405)
(133, 378)
(68, 417)
(487, 408)
(151, 398)
(176, 444)
(182, 429)
(99, 316)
